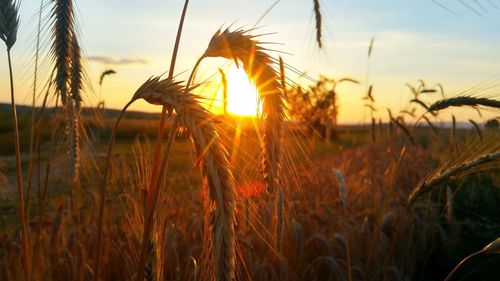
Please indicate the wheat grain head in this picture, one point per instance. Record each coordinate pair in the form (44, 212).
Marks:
(62, 34)
(464, 101)
(239, 45)
(9, 22)
(217, 177)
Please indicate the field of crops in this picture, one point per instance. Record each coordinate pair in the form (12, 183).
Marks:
(209, 188)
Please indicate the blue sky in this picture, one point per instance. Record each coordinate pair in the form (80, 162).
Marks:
(413, 40)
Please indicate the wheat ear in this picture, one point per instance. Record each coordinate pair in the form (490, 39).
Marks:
(464, 101)
(239, 45)
(404, 129)
(9, 22)
(104, 74)
(159, 164)
(318, 22)
(224, 91)
(217, 176)
(444, 176)
(74, 108)
(62, 33)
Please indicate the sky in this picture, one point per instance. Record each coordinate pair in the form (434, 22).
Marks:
(452, 42)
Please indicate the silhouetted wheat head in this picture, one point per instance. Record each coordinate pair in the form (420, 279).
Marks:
(104, 74)
(464, 101)
(318, 23)
(9, 22)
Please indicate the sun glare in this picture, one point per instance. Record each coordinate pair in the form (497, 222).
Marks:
(242, 96)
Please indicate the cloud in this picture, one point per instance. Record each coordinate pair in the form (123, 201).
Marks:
(117, 61)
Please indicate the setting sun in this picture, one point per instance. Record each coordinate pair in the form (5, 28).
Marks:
(242, 96)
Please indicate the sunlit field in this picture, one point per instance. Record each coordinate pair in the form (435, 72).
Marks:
(250, 158)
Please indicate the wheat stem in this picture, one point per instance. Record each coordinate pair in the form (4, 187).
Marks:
(74, 109)
(102, 193)
(159, 139)
(461, 263)
(33, 110)
(20, 197)
(153, 199)
(224, 91)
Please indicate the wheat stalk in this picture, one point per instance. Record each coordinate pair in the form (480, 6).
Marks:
(453, 133)
(239, 45)
(224, 91)
(370, 47)
(74, 108)
(404, 129)
(342, 189)
(444, 176)
(218, 179)
(421, 103)
(62, 33)
(9, 24)
(33, 112)
(478, 129)
(69, 75)
(104, 74)
(464, 101)
(157, 167)
(434, 129)
(318, 23)
(492, 248)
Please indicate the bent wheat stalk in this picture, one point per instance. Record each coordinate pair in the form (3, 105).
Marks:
(444, 176)
(464, 101)
(9, 24)
(240, 46)
(159, 168)
(102, 193)
(217, 177)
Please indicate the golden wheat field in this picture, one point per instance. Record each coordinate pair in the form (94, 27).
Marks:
(249, 140)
